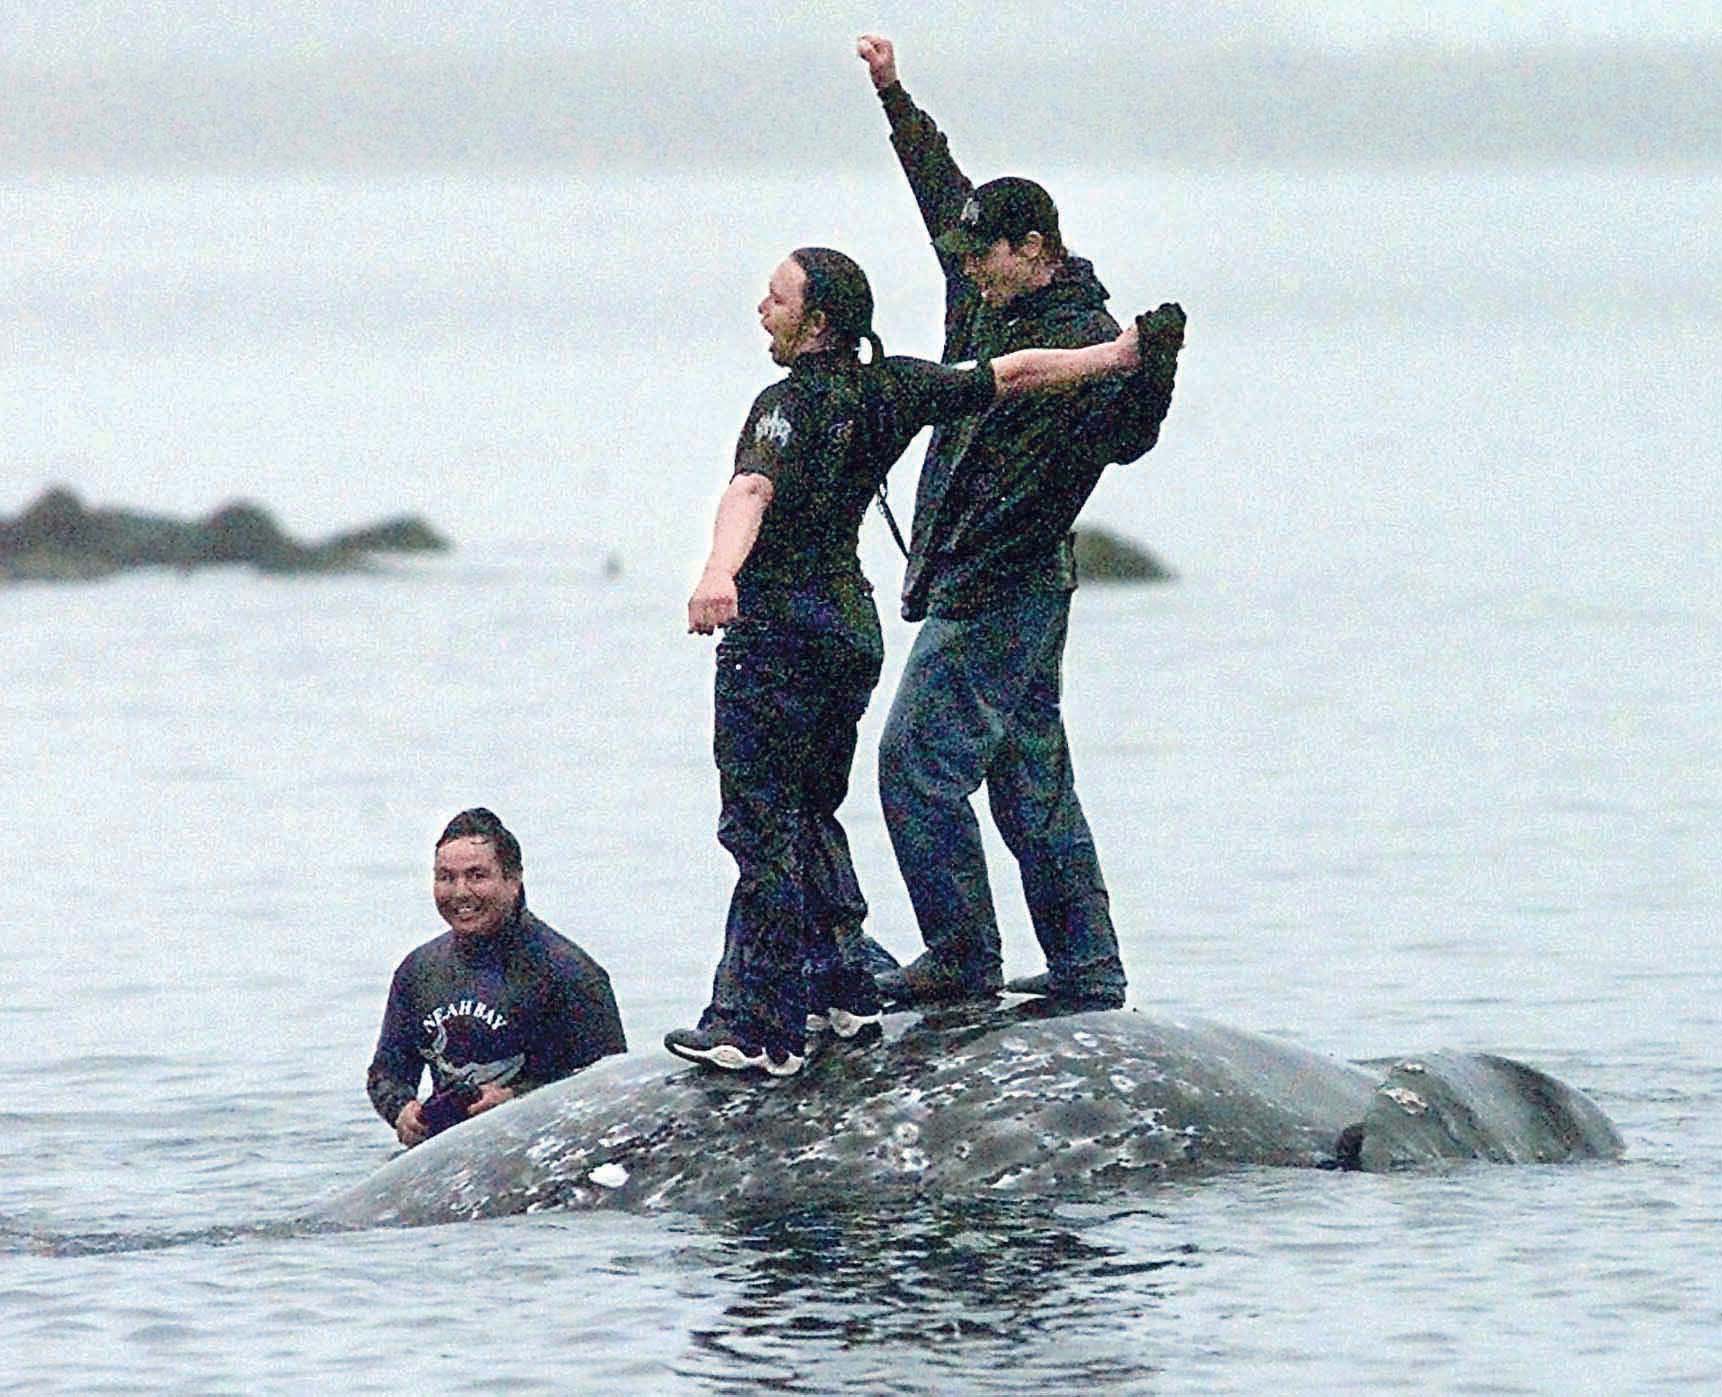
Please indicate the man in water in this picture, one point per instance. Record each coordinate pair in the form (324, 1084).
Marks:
(802, 649)
(497, 1005)
(990, 574)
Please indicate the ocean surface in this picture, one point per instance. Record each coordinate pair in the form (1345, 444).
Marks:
(1423, 749)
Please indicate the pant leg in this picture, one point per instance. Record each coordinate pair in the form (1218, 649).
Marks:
(963, 681)
(763, 720)
(846, 650)
(1031, 791)
(833, 892)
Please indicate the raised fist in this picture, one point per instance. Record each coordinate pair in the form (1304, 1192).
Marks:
(880, 57)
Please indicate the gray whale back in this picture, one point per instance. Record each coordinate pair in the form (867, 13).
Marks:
(987, 1101)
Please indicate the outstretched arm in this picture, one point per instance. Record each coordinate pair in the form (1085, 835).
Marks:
(1046, 370)
(739, 514)
(1123, 420)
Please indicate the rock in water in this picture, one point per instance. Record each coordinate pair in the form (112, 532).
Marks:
(58, 539)
(406, 534)
(1102, 556)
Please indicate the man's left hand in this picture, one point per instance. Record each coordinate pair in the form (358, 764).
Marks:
(490, 1095)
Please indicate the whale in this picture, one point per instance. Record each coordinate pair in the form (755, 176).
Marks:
(997, 1100)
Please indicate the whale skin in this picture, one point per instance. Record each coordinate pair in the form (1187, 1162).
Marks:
(1015, 1100)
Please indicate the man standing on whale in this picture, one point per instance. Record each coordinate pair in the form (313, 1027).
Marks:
(990, 572)
(802, 649)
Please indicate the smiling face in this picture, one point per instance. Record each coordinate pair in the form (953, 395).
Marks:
(1002, 272)
(472, 892)
(782, 313)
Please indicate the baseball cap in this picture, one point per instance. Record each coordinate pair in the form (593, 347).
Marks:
(1011, 208)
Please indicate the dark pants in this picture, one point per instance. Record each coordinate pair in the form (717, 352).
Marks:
(788, 700)
(979, 703)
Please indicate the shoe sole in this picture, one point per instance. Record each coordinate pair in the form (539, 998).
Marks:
(863, 1037)
(1037, 986)
(733, 1059)
(790, 1065)
(1073, 999)
(846, 1025)
(724, 1055)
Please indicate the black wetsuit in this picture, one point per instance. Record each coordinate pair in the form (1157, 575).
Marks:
(519, 1008)
(797, 666)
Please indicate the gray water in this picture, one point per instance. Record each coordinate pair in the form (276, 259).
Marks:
(1420, 751)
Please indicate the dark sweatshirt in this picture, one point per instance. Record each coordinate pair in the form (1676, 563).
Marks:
(519, 1008)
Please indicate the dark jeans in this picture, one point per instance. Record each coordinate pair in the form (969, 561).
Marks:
(788, 700)
(979, 703)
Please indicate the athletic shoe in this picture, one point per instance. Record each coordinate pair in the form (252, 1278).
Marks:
(1097, 994)
(722, 1047)
(851, 1003)
(844, 1023)
(784, 1062)
(929, 980)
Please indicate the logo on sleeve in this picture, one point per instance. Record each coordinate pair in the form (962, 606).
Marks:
(773, 427)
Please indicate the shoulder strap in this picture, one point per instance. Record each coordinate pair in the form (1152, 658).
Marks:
(891, 519)
(857, 445)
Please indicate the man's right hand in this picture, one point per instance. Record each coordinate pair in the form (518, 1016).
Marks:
(714, 603)
(881, 59)
(410, 1126)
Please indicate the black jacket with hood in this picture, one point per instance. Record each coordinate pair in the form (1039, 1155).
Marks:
(1000, 491)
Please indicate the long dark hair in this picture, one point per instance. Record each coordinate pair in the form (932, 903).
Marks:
(837, 285)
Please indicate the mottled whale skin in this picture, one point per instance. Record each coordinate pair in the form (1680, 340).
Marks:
(1017, 1100)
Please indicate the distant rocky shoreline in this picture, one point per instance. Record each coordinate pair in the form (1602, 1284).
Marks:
(59, 539)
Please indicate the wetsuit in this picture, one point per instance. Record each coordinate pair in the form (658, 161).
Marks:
(521, 1007)
(795, 671)
(990, 574)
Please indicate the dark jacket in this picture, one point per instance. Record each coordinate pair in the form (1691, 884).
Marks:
(519, 1008)
(999, 492)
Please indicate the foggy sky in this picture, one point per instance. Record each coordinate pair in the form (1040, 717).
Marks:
(80, 32)
(207, 84)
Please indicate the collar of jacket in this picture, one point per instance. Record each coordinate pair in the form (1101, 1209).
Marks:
(1073, 283)
(821, 361)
